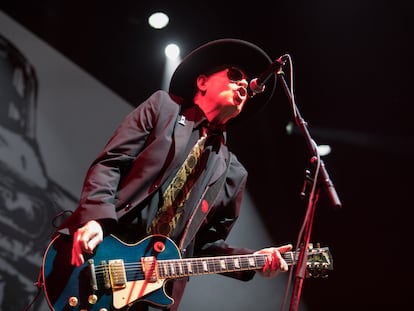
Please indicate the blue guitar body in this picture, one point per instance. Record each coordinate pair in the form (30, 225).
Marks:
(91, 287)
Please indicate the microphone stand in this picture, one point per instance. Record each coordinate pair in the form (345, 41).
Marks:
(322, 179)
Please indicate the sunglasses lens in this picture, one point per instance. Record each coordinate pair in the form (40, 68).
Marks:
(235, 74)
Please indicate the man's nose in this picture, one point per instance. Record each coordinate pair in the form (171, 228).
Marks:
(243, 83)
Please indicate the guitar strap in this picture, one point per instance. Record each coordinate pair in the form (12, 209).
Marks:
(198, 215)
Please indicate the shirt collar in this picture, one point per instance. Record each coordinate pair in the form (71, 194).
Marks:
(195, 114)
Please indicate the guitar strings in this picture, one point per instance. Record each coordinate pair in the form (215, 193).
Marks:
(189, 266)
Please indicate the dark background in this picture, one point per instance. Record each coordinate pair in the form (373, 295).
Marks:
(352, 69)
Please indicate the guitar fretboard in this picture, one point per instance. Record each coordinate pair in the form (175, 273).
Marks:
(211, 265)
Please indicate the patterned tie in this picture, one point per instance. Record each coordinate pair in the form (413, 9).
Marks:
(177, 192)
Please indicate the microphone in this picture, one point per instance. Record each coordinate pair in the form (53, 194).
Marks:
(257, 85)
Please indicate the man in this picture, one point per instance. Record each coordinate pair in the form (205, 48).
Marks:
(127, 186)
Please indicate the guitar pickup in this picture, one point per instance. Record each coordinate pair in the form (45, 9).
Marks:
(117, 273)
(149, 267)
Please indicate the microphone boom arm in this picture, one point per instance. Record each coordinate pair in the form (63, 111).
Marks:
(331, 191)
(257, 85)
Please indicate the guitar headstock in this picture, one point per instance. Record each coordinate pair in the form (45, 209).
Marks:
(319, 262)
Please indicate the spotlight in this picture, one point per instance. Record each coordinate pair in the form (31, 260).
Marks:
(172, 59)
(324, 150)
(158, 20)
(172, 51)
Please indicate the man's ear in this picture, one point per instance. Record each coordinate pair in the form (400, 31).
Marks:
(202, 82)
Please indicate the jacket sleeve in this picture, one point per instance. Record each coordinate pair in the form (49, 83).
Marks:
(210, 241)
(99, 191)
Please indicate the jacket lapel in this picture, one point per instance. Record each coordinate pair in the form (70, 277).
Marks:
(182, 131)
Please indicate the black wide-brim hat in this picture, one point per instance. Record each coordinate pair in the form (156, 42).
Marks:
(218, 53)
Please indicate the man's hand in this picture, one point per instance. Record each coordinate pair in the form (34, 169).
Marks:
(274, 262)
(85, 239)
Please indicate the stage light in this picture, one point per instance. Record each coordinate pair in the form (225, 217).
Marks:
(158, 20)
(172, 59)
(324, 150)
(172, 51)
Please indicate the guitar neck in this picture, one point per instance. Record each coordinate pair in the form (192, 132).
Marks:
(177, 268)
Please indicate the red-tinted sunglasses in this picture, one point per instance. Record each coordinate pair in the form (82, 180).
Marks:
(235, 74)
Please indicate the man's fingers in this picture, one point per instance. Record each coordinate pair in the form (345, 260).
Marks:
(85, 239)
(283, 266)
(83, 246)
(77, 256)
(77, 260)
(92, 243)
(285, 248)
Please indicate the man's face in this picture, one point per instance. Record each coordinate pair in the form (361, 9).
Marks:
(225, 91)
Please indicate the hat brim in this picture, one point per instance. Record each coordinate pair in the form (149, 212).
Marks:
(234, 52)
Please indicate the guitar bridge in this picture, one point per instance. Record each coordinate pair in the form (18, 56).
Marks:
(117, 273)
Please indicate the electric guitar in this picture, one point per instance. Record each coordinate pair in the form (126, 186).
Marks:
(118, 275)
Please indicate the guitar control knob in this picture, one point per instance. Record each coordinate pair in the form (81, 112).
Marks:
(92, 299)
(73, 301)
(159, 246)
(103, 309)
